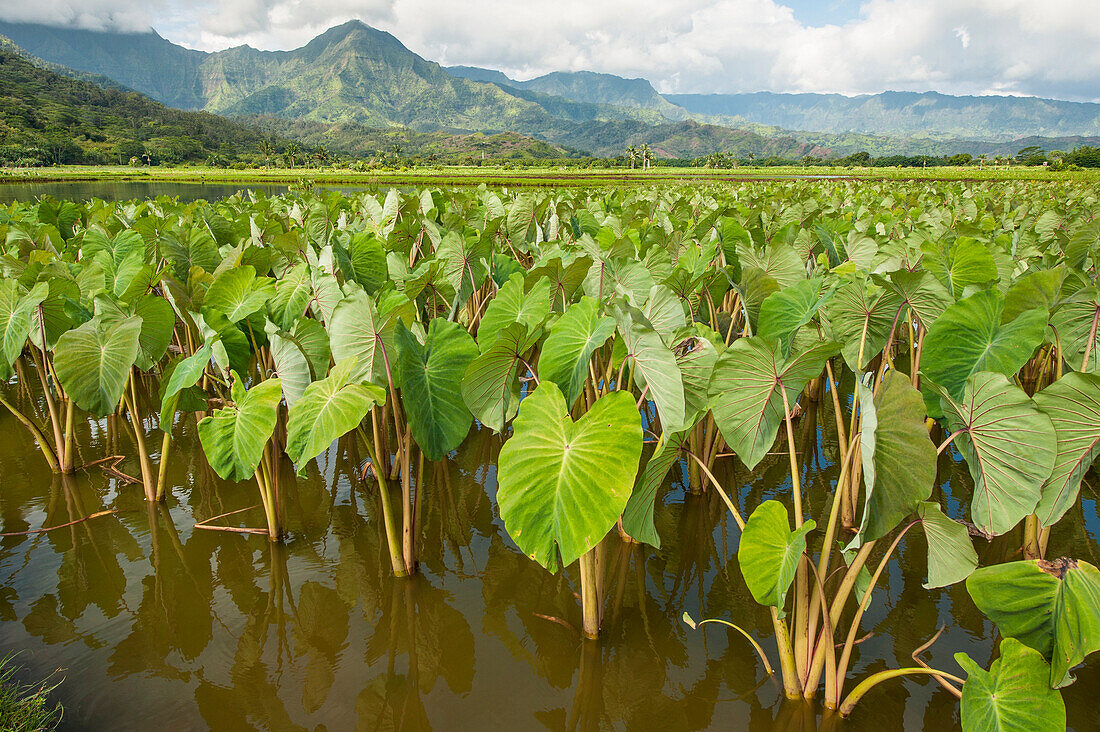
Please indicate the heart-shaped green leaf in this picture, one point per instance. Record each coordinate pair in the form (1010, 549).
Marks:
(233, 438)
(769, 552)
(1009, 446)
(1013, 696)
(327, 410)
(430, 377)
(562, 484)
(569, 347)
(1073, 405)
(745, 391)
(93, 363)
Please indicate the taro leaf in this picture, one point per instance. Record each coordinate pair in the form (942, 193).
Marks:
(513, 305)
(745, 396)
(233, 438)
(158, 320)
(951, 555)
(655, 370)
(967, 262)
(231, 349)
(185, 374)
(1013, 696)
(1074, 323)
(313, 339)
(364, 261)
(358, 329)
(293, 293)
(899, 461)
(291, 363)
(52, 314)
(329, 409)
(695, 356)
(969, 337)
(466, 264)
(859, 311)
(1073, 405)
(238, 293)
(769, 552)
(638, 514)
(568, 349)
(430, 376)
(923, 293)
(15, 318)
(562, 484)
(93, 363)
(1009, 446)
(1053, 607)
(787, 310)
(778, 260)
(489, 380)
(754, 288)
(665, 312)
(1035, 290)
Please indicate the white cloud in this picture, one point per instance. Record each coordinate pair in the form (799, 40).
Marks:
(1039, 47)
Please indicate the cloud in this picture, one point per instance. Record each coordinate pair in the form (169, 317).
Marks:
(1035, 47)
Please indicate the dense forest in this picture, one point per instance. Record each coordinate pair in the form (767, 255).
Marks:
(47, 118)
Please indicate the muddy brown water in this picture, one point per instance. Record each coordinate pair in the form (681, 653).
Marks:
(151, 623)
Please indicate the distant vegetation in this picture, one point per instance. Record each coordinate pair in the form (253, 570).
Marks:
(46, 118)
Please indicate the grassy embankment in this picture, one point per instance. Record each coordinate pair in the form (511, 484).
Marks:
(544, 176)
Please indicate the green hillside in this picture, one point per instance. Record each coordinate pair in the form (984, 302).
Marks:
(49, 118)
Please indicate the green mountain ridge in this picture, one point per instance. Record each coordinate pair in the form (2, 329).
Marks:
(355, 77)
(47, 117)
(356, 74)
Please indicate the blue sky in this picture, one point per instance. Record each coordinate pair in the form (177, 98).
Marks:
(1045, 48)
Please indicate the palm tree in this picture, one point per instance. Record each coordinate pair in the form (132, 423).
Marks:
(267, 150)
(321, 155)
(632, 154)
(291, 153)
(396, 150)
(647, 155)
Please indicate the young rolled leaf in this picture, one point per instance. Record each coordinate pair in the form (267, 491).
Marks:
(745, 396)
(1053, 607)
(93, 363)
(430, 376)
(562, 484)
(1009, 446)
(951, 555)
(769, 551)
(1013, 696)
(327, 410)
(233, 438)
(899, 461)
(1073, 405)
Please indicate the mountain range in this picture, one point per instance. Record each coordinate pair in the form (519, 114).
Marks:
(356, 76)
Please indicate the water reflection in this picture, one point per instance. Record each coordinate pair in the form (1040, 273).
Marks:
(154, 620)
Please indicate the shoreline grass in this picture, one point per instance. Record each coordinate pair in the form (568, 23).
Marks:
(533, 176)
(25, 707)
